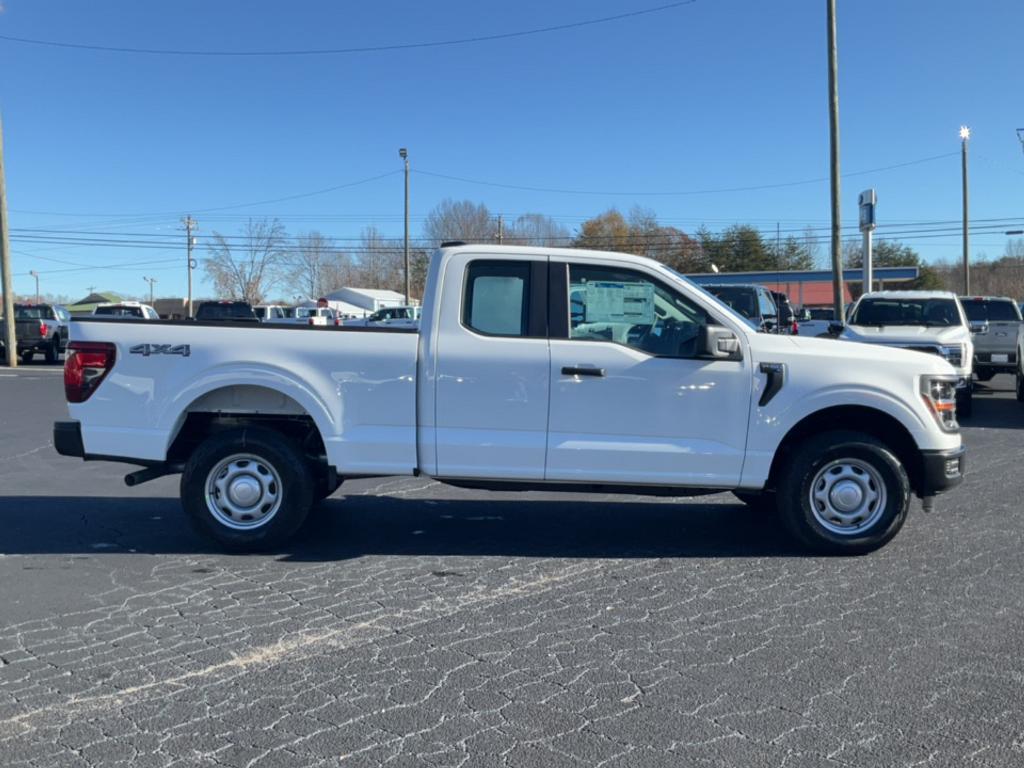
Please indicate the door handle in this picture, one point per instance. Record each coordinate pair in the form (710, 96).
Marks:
(579, 371)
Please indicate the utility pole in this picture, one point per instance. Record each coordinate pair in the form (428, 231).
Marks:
(36, 276)
(404, 154)
(190, 224)
(10, 342)
(833, 125)
(867, 202)
(965, 134)
(501, 229)
(150, 280)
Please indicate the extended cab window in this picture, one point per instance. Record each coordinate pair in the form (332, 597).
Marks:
(497, 297)
(629, 308)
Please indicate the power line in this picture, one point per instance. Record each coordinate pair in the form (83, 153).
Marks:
(720, 190)
(360, 49)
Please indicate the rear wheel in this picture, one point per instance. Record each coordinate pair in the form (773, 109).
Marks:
(1020, 385)
(985, 375)
(52, 352)
(844, 493)
(248, 489)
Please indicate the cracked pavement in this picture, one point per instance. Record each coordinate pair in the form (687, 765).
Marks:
(415, 624)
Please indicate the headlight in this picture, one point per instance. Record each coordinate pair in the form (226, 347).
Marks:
(954, 354)
(939, 394)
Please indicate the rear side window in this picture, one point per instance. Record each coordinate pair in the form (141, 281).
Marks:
(496, 300)
(995, 311)
(766, 304)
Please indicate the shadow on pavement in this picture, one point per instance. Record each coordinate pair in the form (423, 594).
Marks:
(349, 527)
(993, 409)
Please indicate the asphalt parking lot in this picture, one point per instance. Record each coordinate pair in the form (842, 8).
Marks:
(412, 624)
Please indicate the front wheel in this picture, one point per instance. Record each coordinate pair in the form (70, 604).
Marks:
(248, 489)
(844, 493)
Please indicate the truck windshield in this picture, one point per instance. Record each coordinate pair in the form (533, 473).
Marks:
(930, 313)
(991, 310)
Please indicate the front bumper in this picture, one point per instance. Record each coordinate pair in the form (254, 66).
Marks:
(67, 439)
(941, 470)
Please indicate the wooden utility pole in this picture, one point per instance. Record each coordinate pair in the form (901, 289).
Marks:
(833, 125)
(965, 134)
(10, 342)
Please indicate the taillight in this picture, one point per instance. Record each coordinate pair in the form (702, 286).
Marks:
(796, 328)
(311, 321)
(86, 364)
(337, 321)
(43, 329)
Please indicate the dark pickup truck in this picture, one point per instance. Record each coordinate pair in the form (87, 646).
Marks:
(40, 328)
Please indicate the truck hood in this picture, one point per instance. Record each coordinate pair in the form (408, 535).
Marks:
(847, 351)
(905, 334)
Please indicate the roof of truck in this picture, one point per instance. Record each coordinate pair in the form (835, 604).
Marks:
(909, 295)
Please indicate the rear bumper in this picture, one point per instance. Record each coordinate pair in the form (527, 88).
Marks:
(942, 470)
(983, 361)
(67, 439)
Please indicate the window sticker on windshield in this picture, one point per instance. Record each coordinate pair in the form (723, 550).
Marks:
(620, 303)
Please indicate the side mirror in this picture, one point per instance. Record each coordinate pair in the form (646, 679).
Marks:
(719, 343)
(979, 326)
(835, 328)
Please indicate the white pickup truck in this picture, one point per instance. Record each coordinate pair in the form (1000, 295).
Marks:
(533, 368)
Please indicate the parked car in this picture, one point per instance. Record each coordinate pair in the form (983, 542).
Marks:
(271, 313)
(643, 383)
(815, 321)
(226, 312)
(787, 315)
(995, 321)
(754, 302)
(126, 309)
(922, 321)
(315, 316)
(397, 317)
(40, 328)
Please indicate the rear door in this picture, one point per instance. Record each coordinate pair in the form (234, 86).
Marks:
(631, 400)
(492, 368)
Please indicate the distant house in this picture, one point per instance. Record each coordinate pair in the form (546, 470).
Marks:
(367, 299)
(89, 303)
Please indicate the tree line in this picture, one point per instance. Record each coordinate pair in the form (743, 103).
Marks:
(263, 260)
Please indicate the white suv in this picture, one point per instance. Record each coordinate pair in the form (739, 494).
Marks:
(923, 321)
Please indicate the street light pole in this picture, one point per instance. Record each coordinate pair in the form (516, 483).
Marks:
(36, 276)
(965, 134)
(404, 154)
(833, 124)
(150, 280)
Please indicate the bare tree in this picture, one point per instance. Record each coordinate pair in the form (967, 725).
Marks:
(315, 267)
(537, 229)
(380, 261)
(246, 266)
(463, 220)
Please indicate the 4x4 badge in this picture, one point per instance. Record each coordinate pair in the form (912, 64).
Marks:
(161, 349)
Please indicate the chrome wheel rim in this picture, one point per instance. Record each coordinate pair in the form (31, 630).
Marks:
(243, 492)
(847, 497)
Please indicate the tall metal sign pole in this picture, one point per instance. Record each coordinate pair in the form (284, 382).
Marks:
(965, 134)
(833, 124)
(868, 199)
(404, 154)
(10, 342)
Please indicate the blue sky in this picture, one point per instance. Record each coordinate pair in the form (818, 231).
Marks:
(713, 95)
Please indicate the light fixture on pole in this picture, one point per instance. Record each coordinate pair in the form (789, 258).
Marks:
(965, 135)
(404, 154)
(36, 276)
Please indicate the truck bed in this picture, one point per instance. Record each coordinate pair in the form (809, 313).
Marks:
(357, 384)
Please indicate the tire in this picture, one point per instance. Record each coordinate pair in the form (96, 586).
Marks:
(52, 352)
(27, 355)
(272, 484)
(965, 402)
(875, 484)
(985, 375)
(1020, 386)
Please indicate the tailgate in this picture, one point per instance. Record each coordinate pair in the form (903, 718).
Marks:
(1001, 337)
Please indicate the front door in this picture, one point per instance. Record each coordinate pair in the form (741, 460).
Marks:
(631, 401)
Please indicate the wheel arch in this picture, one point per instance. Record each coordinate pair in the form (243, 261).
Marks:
(857, 418)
